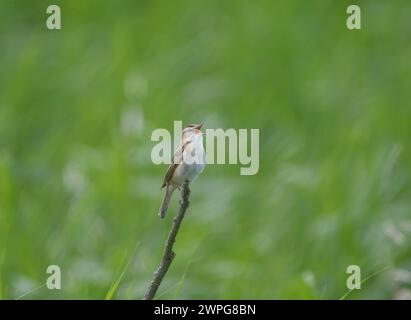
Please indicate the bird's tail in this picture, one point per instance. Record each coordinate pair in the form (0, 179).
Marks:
(166, 201)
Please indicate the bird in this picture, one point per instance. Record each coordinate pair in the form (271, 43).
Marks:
(187, 163)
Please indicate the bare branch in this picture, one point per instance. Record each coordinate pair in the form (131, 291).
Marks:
(169, 254)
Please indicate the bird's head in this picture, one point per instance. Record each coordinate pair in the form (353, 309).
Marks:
(192, 131)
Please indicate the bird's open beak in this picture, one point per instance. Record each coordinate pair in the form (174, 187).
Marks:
(198, 126)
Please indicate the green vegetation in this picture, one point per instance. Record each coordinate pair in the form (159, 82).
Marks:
(78, 188)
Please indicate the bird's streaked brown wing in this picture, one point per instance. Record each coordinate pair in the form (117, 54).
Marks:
(169, 174)
(177, 158)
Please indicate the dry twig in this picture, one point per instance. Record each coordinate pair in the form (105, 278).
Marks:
(169, 254)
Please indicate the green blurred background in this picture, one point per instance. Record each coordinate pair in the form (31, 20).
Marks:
(78, 188)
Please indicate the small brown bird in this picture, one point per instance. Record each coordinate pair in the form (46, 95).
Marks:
(187, 163)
